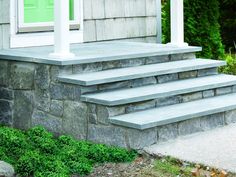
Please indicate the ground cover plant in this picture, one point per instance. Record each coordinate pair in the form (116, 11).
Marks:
(38, 153)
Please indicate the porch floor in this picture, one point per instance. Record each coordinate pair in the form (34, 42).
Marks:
(94, 52)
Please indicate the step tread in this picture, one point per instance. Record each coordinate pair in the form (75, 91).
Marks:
(121, 74)
(124, 96)
(175, 113)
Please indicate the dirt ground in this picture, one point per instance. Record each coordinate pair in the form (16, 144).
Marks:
(149, 167)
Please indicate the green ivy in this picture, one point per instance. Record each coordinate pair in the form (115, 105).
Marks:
(201, 26)
(38, 153)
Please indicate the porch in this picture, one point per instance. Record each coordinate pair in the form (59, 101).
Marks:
(94, 52)
(128, 94)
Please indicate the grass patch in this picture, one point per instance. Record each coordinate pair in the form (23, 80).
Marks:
(171, 168)
(38, 153)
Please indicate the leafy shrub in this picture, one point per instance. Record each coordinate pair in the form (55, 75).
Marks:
(231, 65)
(201, 26)
(38, 153)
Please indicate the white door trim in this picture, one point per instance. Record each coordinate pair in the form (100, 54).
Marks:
(40, 38)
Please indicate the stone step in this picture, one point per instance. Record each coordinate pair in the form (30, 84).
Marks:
(132, 95)
(175, 113)
(122, 74)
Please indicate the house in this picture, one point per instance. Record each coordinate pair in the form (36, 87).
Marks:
(114, 84)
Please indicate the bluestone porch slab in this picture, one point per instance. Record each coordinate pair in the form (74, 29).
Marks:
(214, 148)
(94, 52)
(121, 74)
(175, 113)
(137, 94)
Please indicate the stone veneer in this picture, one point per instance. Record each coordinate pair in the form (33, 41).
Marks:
(31, 95)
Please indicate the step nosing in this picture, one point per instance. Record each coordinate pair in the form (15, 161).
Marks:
(145, 93)
(179, 112)
(142, 71)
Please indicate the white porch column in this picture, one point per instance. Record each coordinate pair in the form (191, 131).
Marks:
(177, 23)
(61, 30)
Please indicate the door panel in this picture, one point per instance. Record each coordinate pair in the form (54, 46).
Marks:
(42, 11)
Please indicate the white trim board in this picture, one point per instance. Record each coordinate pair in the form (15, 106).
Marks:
(39, 38)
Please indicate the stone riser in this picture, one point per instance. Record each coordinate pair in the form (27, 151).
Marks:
(101, 114)
(99, 66)
(148, 80)
(138, 139)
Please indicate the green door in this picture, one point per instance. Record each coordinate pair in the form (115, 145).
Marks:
(42, 11)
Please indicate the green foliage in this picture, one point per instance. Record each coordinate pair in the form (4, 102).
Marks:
(38, 153)
(231, 65)
(201, 26)
(228, 23)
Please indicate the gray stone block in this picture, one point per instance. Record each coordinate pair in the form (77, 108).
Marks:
(143, 81)
(42, 99)
(167, 101)
(234, 89)
(23, 109)
(55, 71)
(189, 56)
(87, 89)
(92, 67)
(167, 132)
(138, 139)
(75, 119)
(71, 92)
(132, 62)
(114, 85)
(230, 117)
(157, 59)
(4, 75)
(207, 72)
(223, 90)
(92, 108)
(212, 121)
(42, 76)
(140, 106)
(6, 112)
(167, 78)
(111, 64)
(76, 69)
(50, 122)
(57, 108)
(191, 97)
(110, 135)
(92, 118)
(176, 57)
(189, 126)
(6, 94)
(208, 93)
(56, 91)
(22, 76)
(6, 169)
(103, 113)
(188, 74)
